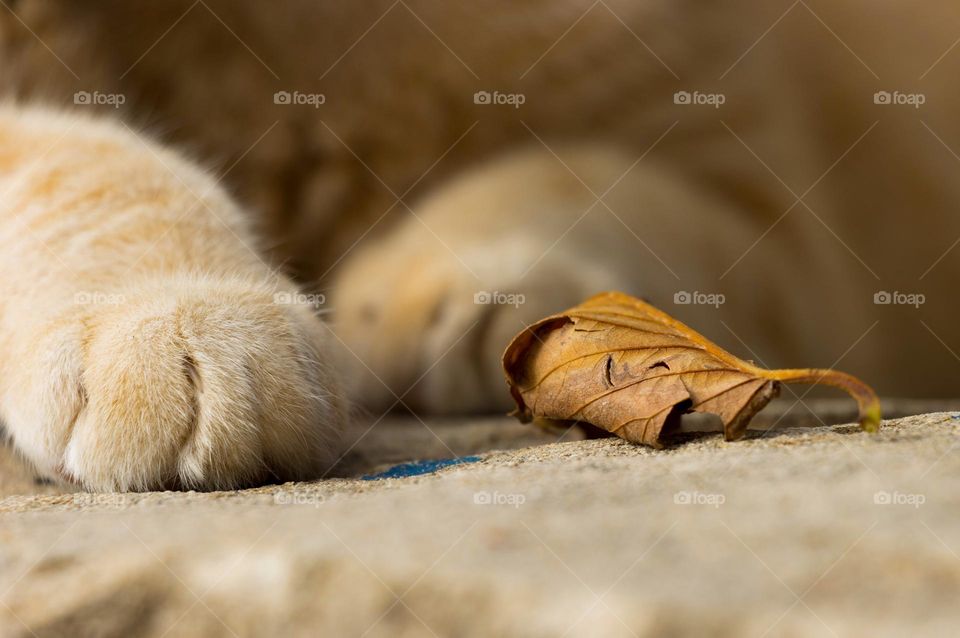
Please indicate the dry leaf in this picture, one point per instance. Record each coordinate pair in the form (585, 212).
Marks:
(620, 364)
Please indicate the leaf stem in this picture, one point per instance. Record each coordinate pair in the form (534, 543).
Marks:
(866, 398)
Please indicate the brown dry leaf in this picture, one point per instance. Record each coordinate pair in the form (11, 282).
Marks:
(620, 364)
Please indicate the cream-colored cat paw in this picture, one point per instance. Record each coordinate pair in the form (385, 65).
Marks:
(193, 384)
(429, 308)
(422, 327)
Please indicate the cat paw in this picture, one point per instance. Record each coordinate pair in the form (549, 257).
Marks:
(191, 384)
(427, 332)
(428, 309)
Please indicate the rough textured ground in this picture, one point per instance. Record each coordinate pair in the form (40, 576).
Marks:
(798, 532)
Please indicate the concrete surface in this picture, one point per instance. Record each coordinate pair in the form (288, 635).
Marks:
(802, 531)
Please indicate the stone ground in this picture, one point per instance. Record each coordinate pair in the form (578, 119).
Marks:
(806, 530)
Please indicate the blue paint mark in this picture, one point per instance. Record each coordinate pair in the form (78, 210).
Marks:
(416, 468)
(955, 417)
